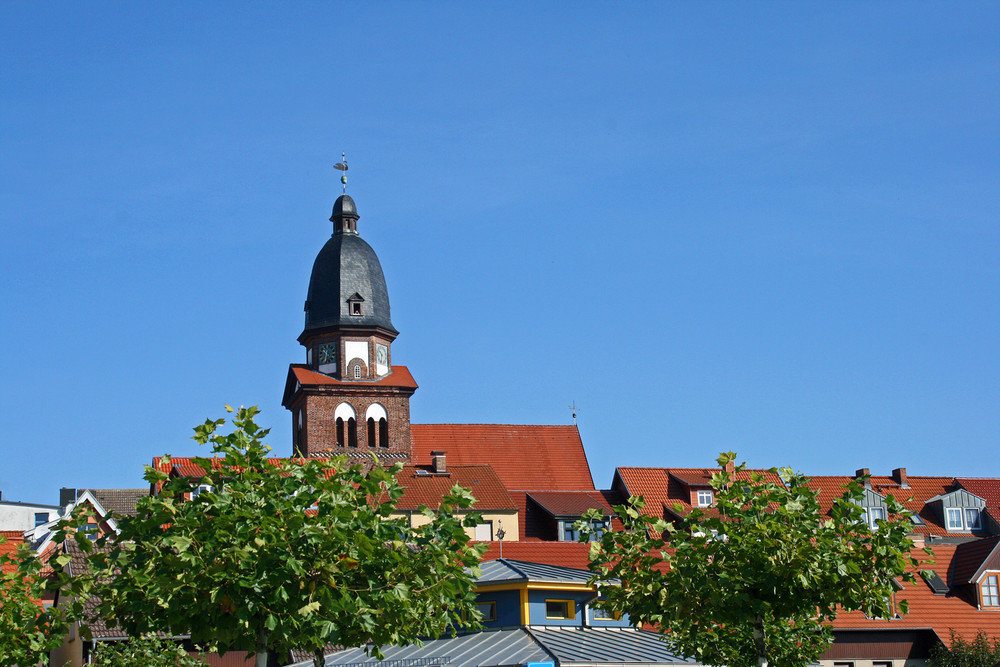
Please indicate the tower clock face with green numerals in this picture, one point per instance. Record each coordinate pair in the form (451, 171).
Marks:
(328, 353)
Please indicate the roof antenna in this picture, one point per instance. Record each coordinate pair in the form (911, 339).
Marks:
(573, 408)
(342, 166)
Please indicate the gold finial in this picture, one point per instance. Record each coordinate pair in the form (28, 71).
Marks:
(342, 166)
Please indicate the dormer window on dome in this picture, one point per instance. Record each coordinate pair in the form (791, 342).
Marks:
(356, 305)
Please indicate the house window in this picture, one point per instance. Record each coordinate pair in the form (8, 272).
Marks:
(488, 610)
(705, 498)
(41, 518)
(884, 663)
(484, 531)
(562, 609)
(602, 614)
(843, 664)
(383, 433)
(972, 518)
(990, 591)
(874, 514)
(955, 518)
(91, 531)
(357, 372)
(570, 534)
(371, 432)
(200, 489)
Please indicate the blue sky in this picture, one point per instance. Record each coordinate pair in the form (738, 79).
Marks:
(761, 227)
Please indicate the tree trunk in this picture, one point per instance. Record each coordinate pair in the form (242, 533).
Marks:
(318, 658)
(262, 636)
(758, 640)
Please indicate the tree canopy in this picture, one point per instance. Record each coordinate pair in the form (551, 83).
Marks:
(757, 577)
(269, 555)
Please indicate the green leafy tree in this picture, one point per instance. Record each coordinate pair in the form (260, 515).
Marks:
(148, 651)
(756, 578)
(963, 653)
(27, 631)
(283, 554)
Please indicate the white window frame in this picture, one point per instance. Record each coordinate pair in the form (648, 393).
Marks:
(705, 497)
(959, 513)
(977, 520)
(989, 591)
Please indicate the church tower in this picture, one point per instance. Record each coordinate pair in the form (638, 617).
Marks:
(348, 398)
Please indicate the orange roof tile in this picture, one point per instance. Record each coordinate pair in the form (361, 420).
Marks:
(664, 488)
(549, 458)
(987, 488)
(427, 489)
(570, 503)
(914, 498)
(566, 554)
(927, 610)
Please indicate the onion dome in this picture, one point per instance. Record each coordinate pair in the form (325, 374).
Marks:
(347, 288)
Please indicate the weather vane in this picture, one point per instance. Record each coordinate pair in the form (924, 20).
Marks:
(342, 166)
(573, 408)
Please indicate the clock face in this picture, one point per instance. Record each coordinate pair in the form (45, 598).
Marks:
(381, 354)
(328, 353)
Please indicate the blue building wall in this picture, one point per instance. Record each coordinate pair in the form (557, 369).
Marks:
(508, 608)
(536, 607)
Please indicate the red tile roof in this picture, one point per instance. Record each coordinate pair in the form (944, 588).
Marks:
(663, 489)
(549, 458)
(913, 498)
(566, 554)
(974, 556)
(399, 377)
(987, 488)
(14, 540)
(927, 610)
(570, 503)
(427, 489)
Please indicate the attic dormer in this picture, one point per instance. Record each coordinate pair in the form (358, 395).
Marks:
(977, 567)
(875, 507)
(960, 511)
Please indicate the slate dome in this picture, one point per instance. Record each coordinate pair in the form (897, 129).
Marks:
(346, 267)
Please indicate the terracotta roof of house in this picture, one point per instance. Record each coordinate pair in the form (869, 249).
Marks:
(570, 503)
(120, 501)
(914, 497)
(543, 458)
(423, 488)
(987, 488)
(14, 540)
(399, 377)
(565, 554)
(664, 488)
(954, 611)
(973, 557)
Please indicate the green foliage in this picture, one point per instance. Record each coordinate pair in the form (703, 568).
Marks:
(27, 631)
(977, 653)
(758, 575)
(285, 554)
(149, 651)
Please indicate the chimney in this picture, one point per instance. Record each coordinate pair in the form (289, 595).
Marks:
(899, 474)
(438, 464)
(66, 496)
(730, 466)
(860, 472)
